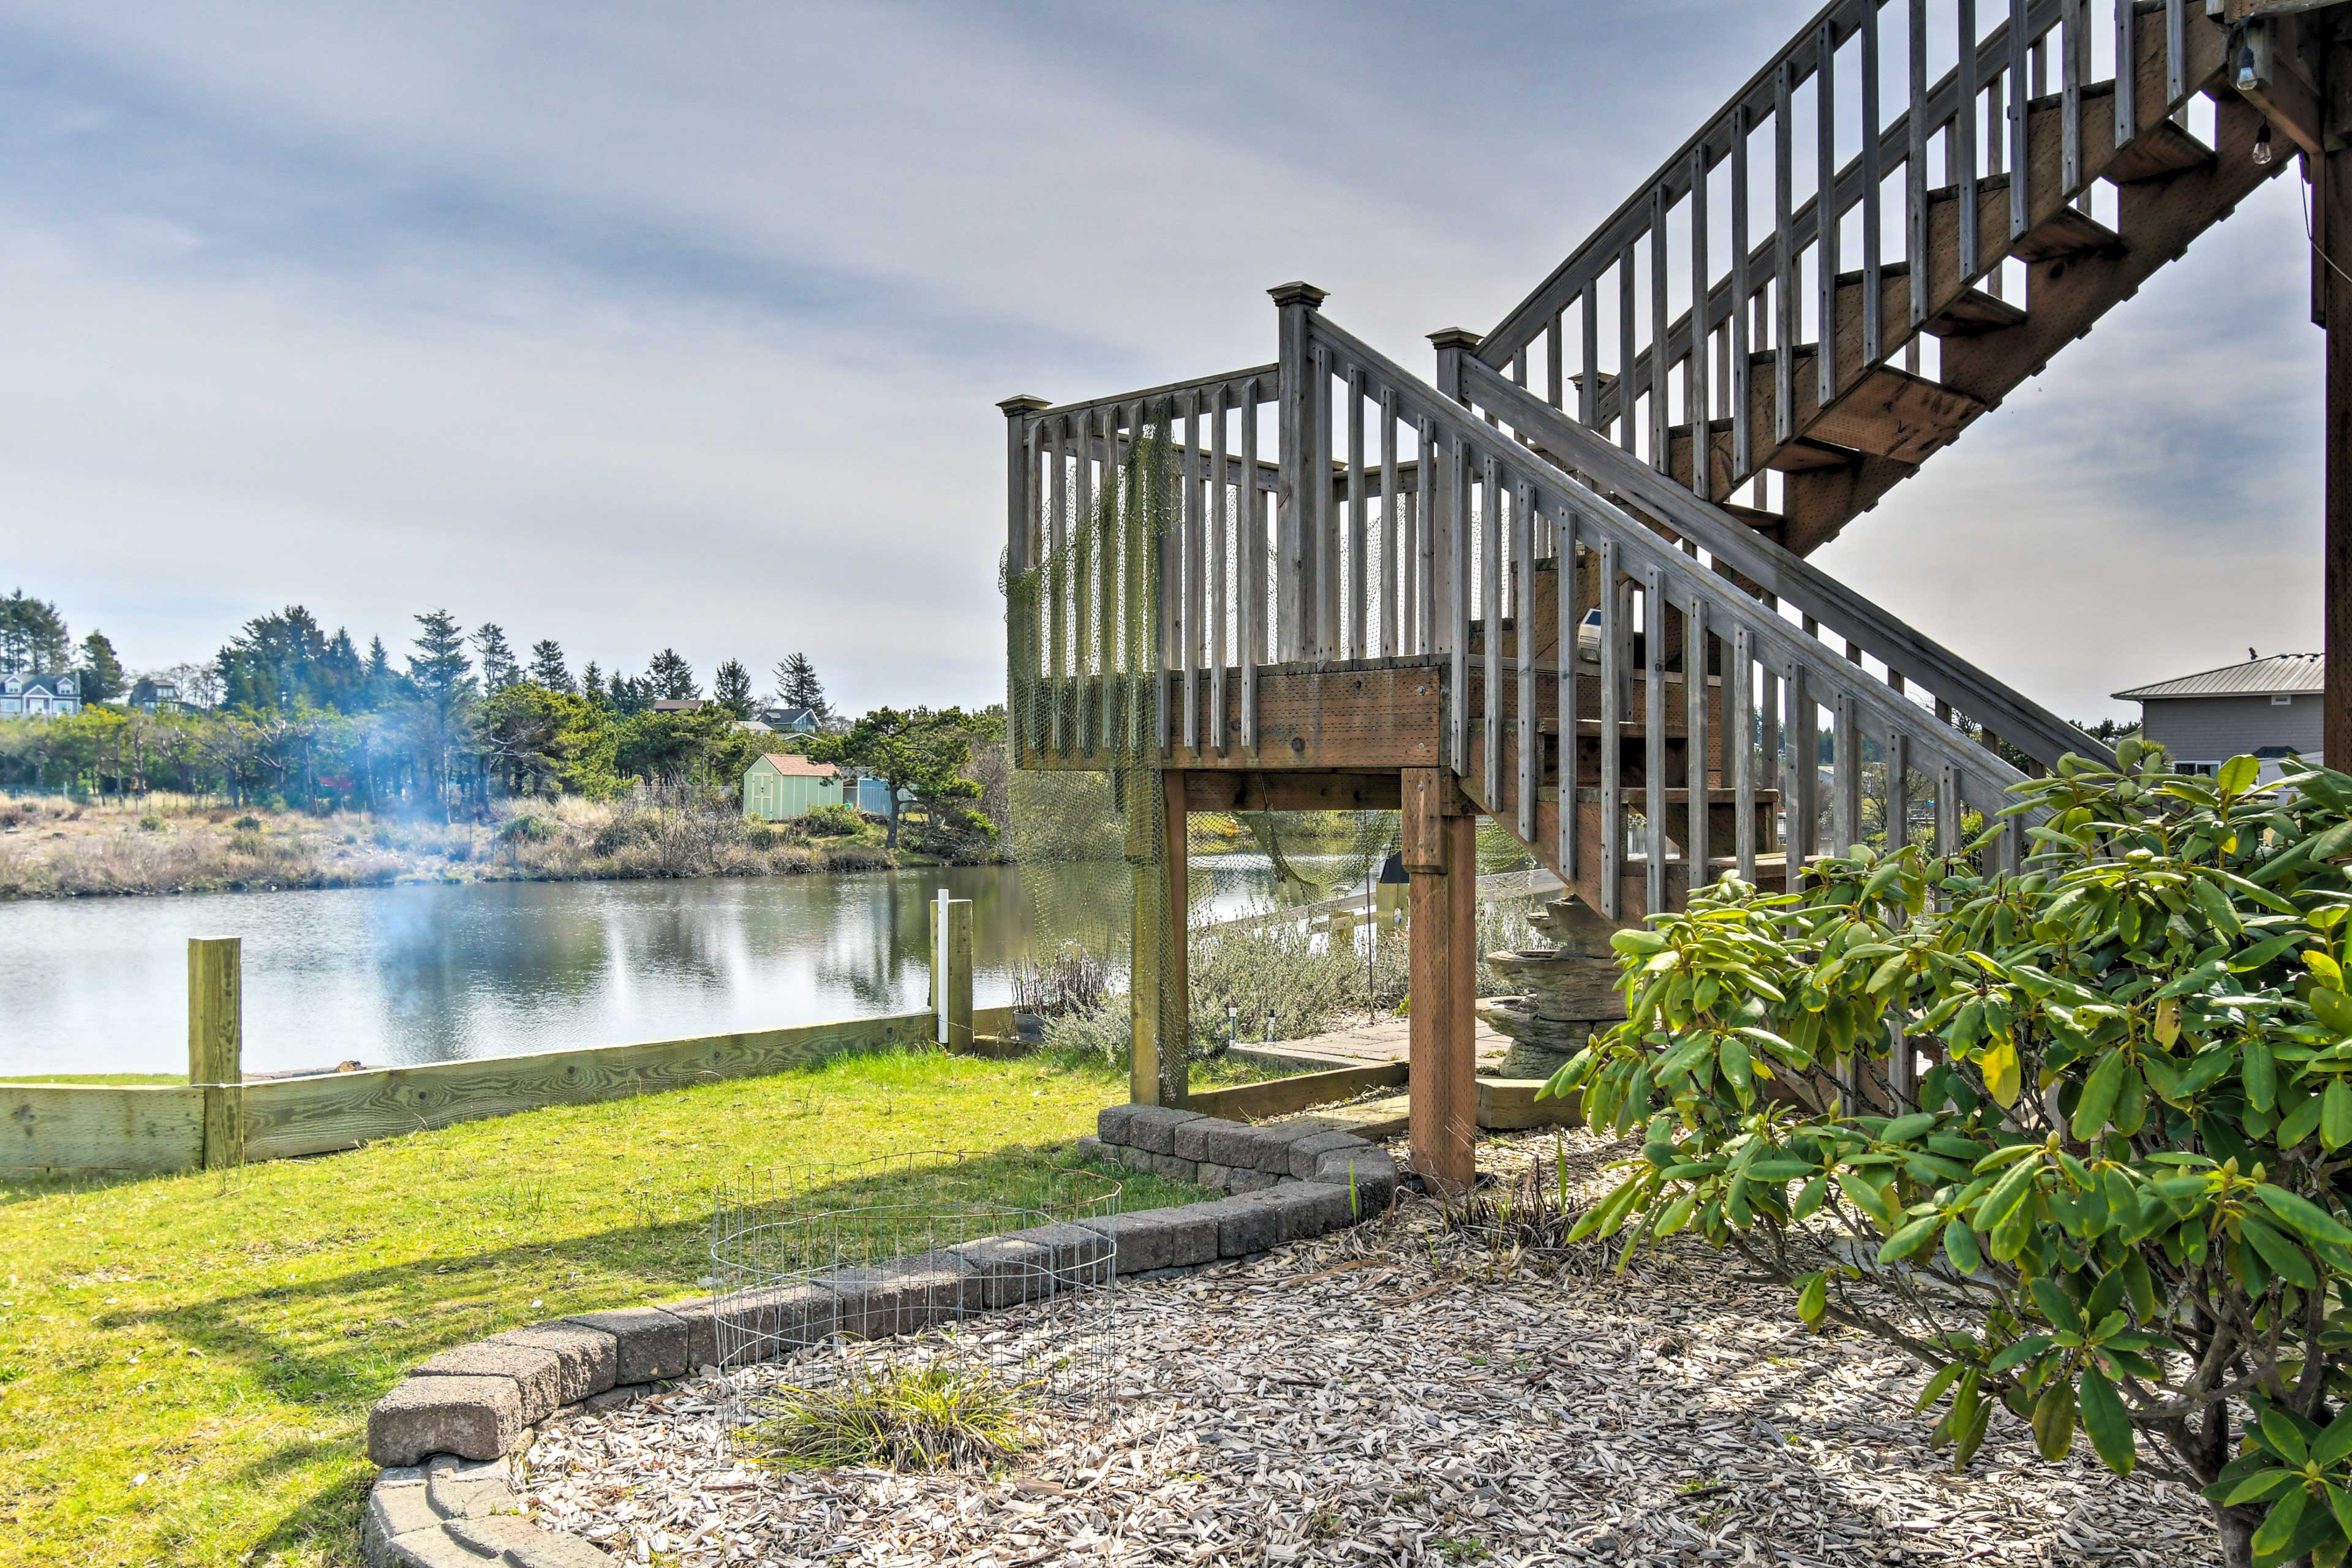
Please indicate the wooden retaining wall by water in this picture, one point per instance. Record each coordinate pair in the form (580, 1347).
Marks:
(219, 1119)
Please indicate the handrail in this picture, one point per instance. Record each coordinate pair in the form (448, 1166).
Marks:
(2018, 719)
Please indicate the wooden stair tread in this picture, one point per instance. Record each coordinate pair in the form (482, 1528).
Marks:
(1804, 455)
(2158, 152)
(2066, 233)
(1971, 313)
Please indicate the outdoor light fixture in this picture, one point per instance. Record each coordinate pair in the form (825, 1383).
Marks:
(1233, 1023)
(2262, 146)
(1269, 1026)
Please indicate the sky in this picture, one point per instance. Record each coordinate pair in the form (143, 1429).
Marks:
(636, 326)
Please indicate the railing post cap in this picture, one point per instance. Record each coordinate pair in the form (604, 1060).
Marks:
(1023, 404)
(1296, 293)
(1454, 338)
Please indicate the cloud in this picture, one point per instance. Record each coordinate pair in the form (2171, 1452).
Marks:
(636, 327)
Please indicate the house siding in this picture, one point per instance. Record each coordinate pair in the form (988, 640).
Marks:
(773, 796)
(2215, 729)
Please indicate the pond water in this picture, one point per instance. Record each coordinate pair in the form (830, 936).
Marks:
(434, 972)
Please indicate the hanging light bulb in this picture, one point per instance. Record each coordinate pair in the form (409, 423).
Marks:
(2262, 154)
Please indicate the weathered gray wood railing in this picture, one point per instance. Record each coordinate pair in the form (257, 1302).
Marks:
(1675, 384)
(1425, 539)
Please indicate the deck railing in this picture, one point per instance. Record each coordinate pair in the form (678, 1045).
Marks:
(1610, 335)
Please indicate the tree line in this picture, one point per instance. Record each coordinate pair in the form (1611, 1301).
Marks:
(290, 713)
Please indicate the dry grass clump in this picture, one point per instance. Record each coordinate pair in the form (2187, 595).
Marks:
(666, 833)
(931, 1418)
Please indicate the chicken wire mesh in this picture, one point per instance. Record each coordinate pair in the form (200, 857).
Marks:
(882, 1311)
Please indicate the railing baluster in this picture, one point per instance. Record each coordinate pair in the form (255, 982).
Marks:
(1613, 721)
(1804, 779)
(1964, 140)
(1490, 607)
(1189, 521)
(1359, 579)
(1326, 639)
(1873, 310)
(1784, 261)
(1661, 457)
(1556, 372)
(2126, 72)
(1056, 585)
(1898, 780)
(1392, 569)
(2019, 96)
(1251, 579)
(1588, 391)
(1426, 509)
(1846, 801)
(1739, 749)
(1653, 732)
(1694, 368)
(1572, 622)
(1459, 601)
(1947, 810)
(1695, 744)
(2176, 54)
(1083, 584)
(1218, 553)
(1825, 241)
(2071, 40)
(1625, 348)
(1523, 555)
(1914, 172)
(1768, 741)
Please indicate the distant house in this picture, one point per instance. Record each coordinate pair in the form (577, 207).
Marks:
(2266, 708)
(152, 696)
(681, 704)
(781, 785)
(39, 695)
(788, 721)
(868, 794)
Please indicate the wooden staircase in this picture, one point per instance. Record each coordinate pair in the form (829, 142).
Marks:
(1807, 447)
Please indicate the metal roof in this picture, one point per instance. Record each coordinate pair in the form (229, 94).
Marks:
(2281, 673)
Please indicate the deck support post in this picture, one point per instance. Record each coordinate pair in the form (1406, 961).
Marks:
(2334, 220)
(1442, 863)
(1160, 1004)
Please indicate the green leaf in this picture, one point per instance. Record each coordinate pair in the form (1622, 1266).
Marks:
(2237, 776)
(2279, 1435)
(1998, 1063)
(1904, 1129)
(2055, 1305)
(2333, 843)
(1943, 1380)
(2262, 953)
(2261, 1484)
(2333, 1007)
(2278, 1527)
(2109, 1425)
(2336, 1114)
(2307, 1218)
(2024, 1350)
(2054, 1419)
(2285, 1259)
(1913, 1237)
(2334, 1444)
(2260, 1074)
(1813, 1298)
(1961, 1247)
(2098, 1101)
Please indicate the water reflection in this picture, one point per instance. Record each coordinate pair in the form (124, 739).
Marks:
(405, 975)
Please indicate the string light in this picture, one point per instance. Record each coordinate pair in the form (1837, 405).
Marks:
(2262, 154)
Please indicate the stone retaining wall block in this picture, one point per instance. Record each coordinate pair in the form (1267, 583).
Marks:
(1153, 1127)
(698, 1313)
(905, 1295)
(1190, 1140)
(1089, 1147)
(473, 1417)
(536, 1373)
(1246, 1225)
(761, 1325)
(1168, 1165)
(591, 1358)
(1313, 1208)
(1306, 1152)
(1371, 1171)
(650, 1342)
(505, 1539)
(1010, 1271)
(1159, 1238)
(1075, 1255)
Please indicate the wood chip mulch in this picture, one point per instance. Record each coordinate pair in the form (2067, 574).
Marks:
(1400, 1394)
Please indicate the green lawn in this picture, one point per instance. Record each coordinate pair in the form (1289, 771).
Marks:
(186, 1362)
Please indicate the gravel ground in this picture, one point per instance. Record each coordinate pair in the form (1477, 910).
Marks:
(1396, 1394)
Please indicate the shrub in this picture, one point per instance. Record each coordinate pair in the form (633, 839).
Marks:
(150, 823)
(245, 842)
(247, 825)
(2118, 1201)
(831, 821)
(900, 1418)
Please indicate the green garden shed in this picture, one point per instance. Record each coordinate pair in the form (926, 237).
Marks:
(781, 785)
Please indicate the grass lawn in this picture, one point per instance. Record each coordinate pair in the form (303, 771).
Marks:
(186, 1362)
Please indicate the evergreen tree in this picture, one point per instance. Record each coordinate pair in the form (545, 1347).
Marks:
(33, 636)
(730, 686)
(280, 662)
(500, 669)
(444, 678)
(101, 672)
(547, 666)
(378, 679)
(670, 678)
(798, 687)
(591, 684)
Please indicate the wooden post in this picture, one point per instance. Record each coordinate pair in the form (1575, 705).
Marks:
(952, 964)
(1023, 543)
(1299, 406)
(2334, 222)
(1442, 863)
(216, 1044)
(1159, 1009)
